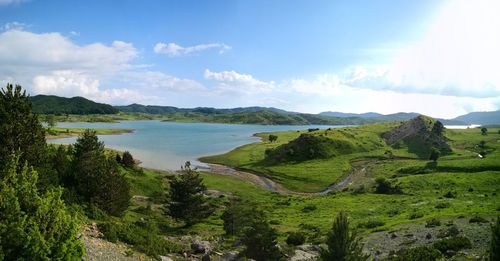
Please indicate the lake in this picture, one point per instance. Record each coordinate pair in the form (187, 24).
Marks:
(167, 145)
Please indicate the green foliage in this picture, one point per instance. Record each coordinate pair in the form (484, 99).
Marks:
(435, 153)
(145, 238)
(342, 244)
(272, 138)
(484, 131)
(260, 241)
(128, 160)
(495, 241)
(96, 178)
(239, 215)
(384, 186)
(49, 104)
(422, 253)
(186, 197)
(20, 130)
(34, 226)
(296, 238)
(309, 208)
(452, 243)
(433, 222)
(477, 219)
(372, 223)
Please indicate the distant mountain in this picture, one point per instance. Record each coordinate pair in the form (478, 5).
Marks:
(481, 117)
(153, 109)
(51, 104)
(347, 115)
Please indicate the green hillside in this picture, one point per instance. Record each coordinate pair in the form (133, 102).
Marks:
(50, 104)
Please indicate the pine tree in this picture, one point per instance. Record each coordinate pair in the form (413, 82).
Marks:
(97, 179)
(128, 160)
(343, 245)
(495, 241)
(260, 241)
(186, 197)
(34, 226)
(20, 131)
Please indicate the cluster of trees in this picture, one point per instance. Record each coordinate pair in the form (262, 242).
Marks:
(35, 223)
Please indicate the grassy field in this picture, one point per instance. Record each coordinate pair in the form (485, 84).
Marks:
(460, 186)
(56, 132)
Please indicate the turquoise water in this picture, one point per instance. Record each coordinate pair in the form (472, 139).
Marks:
(167, 145)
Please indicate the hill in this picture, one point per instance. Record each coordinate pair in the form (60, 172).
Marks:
(263, 117)
(51, 104)
(481, 117)
(346, 114)
(154, 109)
(420, 135)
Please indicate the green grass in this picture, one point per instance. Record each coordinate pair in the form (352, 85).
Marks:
(57, 132)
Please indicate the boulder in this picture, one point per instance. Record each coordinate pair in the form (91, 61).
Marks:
(200, 246)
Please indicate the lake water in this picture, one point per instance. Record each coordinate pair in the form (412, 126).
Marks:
(167, 145)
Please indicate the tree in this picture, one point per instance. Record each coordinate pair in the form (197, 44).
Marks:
(482, 144)
(484, 131)
(118, 158)
(260, 241)
(495, 241)
(128, 160)
(272, 138)
(342, 244)
(34, 226)
(438, 128)
(20, 131)
(239, 215)
(434, 156)
(97, 178)
(50, 120)
(186, 197)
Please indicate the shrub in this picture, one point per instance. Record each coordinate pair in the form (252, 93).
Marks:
(415, 215)
(422, 253)
(383, 186)
(450, 194)
(128, 160)
(361, 189)
(477, 219)
(372, 224)
(452, 244)
(442, 205)
(296, 238)
(309, 208)
(433, 222)
(495, 241)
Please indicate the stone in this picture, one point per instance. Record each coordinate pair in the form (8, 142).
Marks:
(200, 246)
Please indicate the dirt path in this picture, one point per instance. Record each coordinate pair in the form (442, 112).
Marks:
(358, 169)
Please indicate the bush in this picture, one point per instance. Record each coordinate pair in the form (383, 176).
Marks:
(383, 186)
(433, 222)
(309, 208)
(442, 205)
(296, 238)
(495, 240)
(128, 160)
(372, 224)
(450, 194)
(415, 215)
(477, 219)
(452, 244)
(422, 253)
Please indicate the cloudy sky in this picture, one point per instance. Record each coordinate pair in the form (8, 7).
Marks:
(439, 58)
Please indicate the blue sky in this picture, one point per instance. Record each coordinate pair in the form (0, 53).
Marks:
(433, 57)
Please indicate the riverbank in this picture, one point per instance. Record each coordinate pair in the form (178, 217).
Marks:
(57, 132)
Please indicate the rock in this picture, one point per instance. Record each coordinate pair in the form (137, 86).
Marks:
(230, 256)
(301, 255)
(199, 246)
(165, 258)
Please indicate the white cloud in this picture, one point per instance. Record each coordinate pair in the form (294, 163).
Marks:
(458, 56)
(13, 26)
(235, 82)
(173, 49)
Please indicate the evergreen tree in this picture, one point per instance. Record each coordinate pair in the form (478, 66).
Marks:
(20, 131)
(343, 244)
(260, 241)
(186, 197)
(434, 154)
(128, 160)
(97, 178)
(34, 226)
(495, 241)
(239, 215)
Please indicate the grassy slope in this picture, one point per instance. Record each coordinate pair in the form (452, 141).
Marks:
(422, 192)
(57, 132)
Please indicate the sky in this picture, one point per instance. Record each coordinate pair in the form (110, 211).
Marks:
(439, 58)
